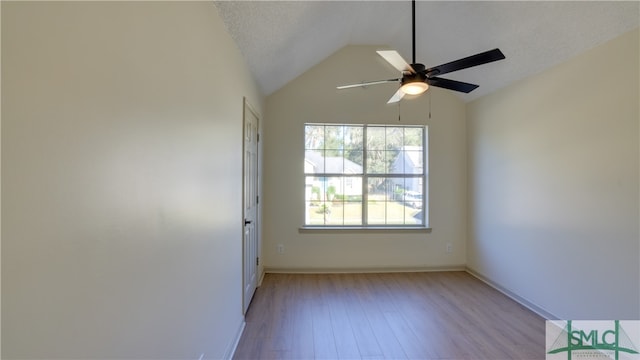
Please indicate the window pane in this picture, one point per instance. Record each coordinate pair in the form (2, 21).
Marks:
(383, 162)
(394, 138)
(333, 139)
(314, 136)
(390, 203)
(413, 136)
(353, 201)
(353, 164)
(417, 218)
(314, 162)
(413, 163)
(333, 201)
(393, 160)
(344, 200)
(333, 163)
(375, 138)
(333, 210)
(353, 153)
(412, 200)
(376, 202)
(315, 200)
(353, 137)
(377, 162)
(396, 210)
(399, 164)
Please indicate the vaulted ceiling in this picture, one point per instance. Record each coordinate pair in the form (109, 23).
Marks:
(280, 40)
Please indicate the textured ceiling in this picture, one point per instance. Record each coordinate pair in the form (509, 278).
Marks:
(282, 39)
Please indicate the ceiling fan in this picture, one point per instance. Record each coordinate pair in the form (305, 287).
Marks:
(416, 78)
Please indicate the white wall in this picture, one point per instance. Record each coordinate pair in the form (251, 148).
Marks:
(312, 97)
(553, 185)
(121, 195)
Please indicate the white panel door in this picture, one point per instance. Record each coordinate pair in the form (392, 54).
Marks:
(250, 205)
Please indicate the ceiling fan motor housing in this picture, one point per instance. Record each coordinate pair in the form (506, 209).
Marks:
(410, 77)
(419, 68)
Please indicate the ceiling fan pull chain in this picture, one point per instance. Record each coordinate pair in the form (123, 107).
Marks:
(430, 104)
(398, 111)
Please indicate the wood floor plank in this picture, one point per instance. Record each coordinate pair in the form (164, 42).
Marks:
(442, 315)
(365, 338)
(333, 294)
(375, 303)
(302, 335)
(323, 337)
(280, 331)
(413, 347)
(413, 308)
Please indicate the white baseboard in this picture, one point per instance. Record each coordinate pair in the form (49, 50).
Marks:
(231, 349)
(311, 270)
(261, 278)
(519, 299)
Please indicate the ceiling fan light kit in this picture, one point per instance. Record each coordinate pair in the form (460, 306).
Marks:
(414, 85)
(416, 78)
(414, 88)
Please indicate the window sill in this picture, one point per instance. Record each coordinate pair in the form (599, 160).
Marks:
(363, 229)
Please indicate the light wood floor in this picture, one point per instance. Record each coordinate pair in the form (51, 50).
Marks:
(434, 315)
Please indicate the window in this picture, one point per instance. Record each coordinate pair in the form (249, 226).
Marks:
(365, 176)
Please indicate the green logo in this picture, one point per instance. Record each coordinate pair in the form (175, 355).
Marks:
(592, 340)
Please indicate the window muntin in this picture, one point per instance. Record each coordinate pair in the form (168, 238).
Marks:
(365, 176)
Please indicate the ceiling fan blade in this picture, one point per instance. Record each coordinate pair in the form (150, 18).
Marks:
(366, 83)
(396, 60)
(451, 84)
(470, 61)
(396, 97)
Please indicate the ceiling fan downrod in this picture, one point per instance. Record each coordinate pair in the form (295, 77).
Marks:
(413, 29)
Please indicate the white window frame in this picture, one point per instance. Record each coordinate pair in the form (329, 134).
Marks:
(423, 182)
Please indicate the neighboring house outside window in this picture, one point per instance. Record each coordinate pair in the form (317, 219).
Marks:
(365, 176)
